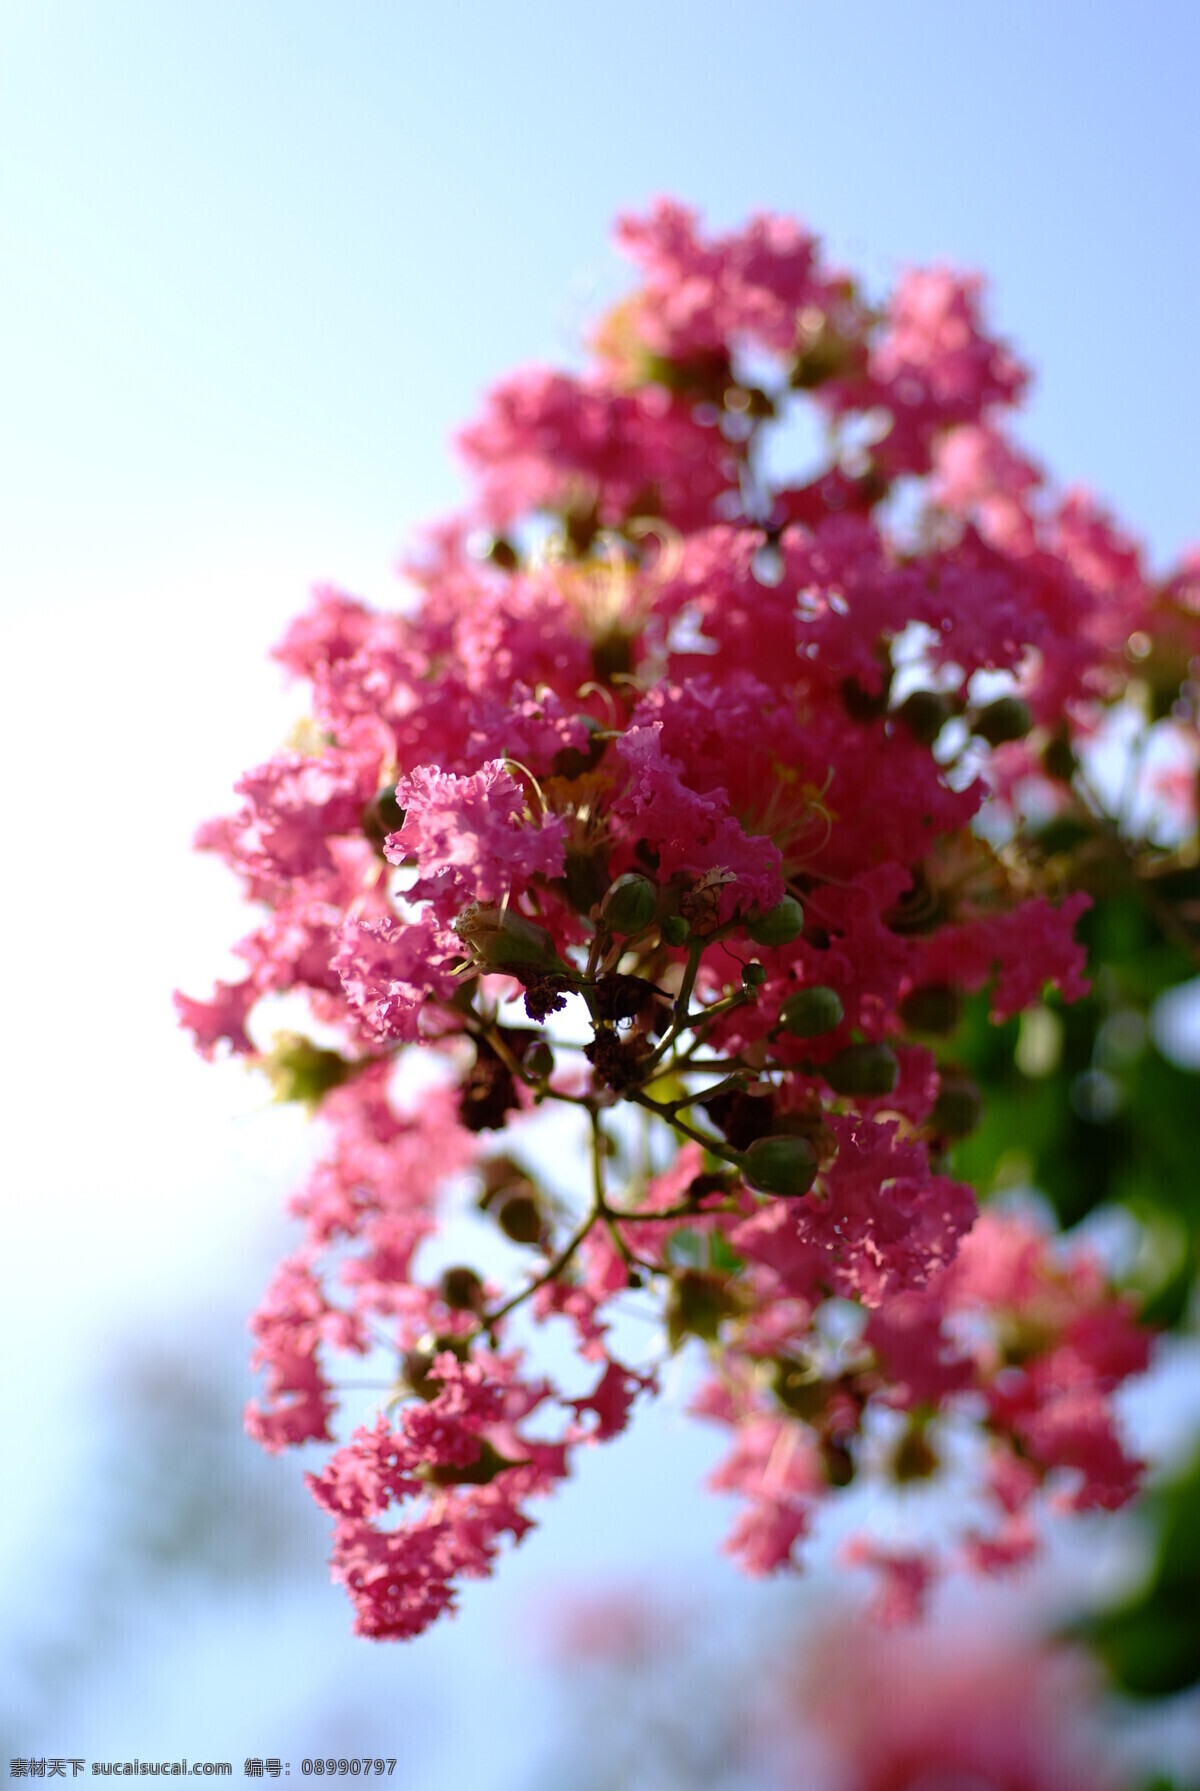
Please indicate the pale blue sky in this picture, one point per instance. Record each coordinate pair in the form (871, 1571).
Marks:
(259, 261)
(261, 257)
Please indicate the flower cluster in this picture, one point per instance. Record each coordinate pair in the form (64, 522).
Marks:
(683, 795)
(836, 1701)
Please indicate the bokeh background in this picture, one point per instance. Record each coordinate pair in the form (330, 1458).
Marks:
(259, 260)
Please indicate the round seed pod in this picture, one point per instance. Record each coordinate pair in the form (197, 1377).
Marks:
(810, 1012)
(872, 1069)
(630, 904)
(779, 925)
(675, 929)
(781, 1164)
(753, 975)
(1008, 718)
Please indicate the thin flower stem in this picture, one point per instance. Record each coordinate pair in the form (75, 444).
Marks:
(689, 1065)
(735, 1081)
(684, 1209)
(382, 1342)
(596, 950)
(691, 968)
(558, 1263)
(490, 1033)
(555, 1268)
(716, 1146)
(597, 1154)
(628, 1255)
(1133, 770)
(705, 1014)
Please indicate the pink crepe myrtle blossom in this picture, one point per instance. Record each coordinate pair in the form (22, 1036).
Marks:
(389, 969)
(957, 1705)
(677, 794)
(777, 1469)
(697, 296)
(832, 1702)
(293, 1320)
(550, 442)
(468, 837)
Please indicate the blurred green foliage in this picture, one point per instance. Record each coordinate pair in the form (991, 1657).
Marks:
(1080, 1103)
(1150, 1641)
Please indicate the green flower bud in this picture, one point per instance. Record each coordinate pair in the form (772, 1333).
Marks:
(799, 1388)
(1058, 757)
(780, 1165)
(839, 1463)
(914, 1458)
(753, 975)
(520, 1219)
(810, 1012)
(301, 1071)
(958, 1108)
(539, 1059)
(574, 761)
(584, 879)
(675, 929)
(500, 1175)
(925, 713)
(1008, 718)
(863, 1070)
(382, 815)
(419, 1361)
(779, 925)
(498, 938)
(630, 904)
(613, 653)
(749, 401)
(935, 1008)
(825, 355)
(480, 1472)
(502, 553)
(461, 1289)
